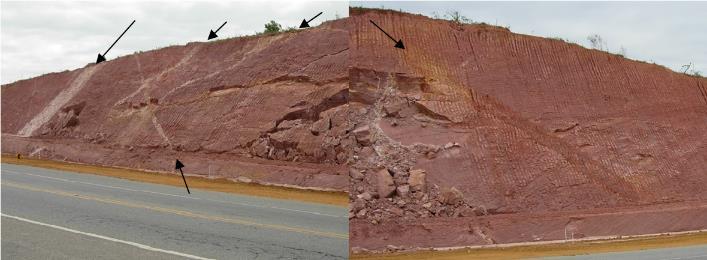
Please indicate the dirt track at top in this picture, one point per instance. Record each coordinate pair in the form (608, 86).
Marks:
(505, 125)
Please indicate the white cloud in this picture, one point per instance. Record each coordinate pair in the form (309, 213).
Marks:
(669, 33)
(43, 37)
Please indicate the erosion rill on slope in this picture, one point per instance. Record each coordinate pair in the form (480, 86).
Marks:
(471, 135)
(475, 135)
(269, 109)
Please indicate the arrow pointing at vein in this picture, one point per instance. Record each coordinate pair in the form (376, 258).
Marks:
(305, 23)
(179, 167)
(212, 34)
(102, 58)
(398, 44)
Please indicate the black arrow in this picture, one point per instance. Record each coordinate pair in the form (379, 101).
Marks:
(212, 34)
(102, 58)
(305, 23)
(398, 43)
(179, 167)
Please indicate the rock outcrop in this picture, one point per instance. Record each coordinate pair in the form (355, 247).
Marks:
(471, 135)
(502, 137)
(271, 108)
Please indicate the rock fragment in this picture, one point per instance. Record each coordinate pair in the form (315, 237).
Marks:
(356, 174)
(451, 145)
(403, 190)
(396, 211)
(363, 135)
(244, 179)
(260, 148)
(479, 211)
(385, 183)
(365, 196)
(451, 196)
(361, 213)
(320, 126)
(358, 205)
(417, 180)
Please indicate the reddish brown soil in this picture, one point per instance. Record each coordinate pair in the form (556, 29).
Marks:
(516, 134)
(270, 108)
(471, 135)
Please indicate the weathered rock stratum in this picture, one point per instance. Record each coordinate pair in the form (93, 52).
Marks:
(270, 109)
(475, 135)
(471, 135)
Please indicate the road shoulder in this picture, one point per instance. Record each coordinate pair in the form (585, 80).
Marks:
(220, 185)
(546, 250)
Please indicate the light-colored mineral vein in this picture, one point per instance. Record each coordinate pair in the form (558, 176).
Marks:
(59, 101)
(160, 130)
(148, 82)
(253, 48)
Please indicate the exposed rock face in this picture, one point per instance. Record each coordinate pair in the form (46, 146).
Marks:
(510, 127)
(269, 108)
(478, 130)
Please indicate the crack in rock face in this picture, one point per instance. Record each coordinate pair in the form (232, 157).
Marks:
(494, 128)
(464, 136)
(245, 107)
(391, 187)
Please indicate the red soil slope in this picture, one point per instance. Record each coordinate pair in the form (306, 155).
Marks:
(520, 138)
(266, 108)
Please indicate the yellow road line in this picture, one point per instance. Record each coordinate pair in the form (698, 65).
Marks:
(181, 212)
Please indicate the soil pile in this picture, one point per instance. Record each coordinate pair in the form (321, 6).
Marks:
(476, 135)
(269, 109)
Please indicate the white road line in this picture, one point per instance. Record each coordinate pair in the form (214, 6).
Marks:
(138, 245)
(180, 196)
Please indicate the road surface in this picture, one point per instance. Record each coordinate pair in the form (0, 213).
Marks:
(63, 215)
(674, 253)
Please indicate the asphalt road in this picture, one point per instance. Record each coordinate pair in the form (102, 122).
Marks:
(63, 215)
(674, 253)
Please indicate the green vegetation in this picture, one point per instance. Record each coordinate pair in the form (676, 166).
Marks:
(595, 40)
(272, 27)
(381, 8)
(557, 38)
(457, 17)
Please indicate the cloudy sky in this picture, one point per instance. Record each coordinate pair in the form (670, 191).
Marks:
(669, 33)
(43, 37)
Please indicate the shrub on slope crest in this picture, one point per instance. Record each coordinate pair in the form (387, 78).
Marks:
(272, 27)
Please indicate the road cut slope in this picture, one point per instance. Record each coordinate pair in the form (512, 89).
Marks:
(267, 108)
(475, 135)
